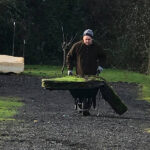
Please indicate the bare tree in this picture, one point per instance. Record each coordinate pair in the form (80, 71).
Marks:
(65, 44)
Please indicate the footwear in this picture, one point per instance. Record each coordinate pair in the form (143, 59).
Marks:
(86, 113)
(79, 107)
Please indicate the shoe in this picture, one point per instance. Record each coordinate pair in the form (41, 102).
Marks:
(79, 107)
(86, 113)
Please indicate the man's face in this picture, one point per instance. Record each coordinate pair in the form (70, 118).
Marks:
(87, 40)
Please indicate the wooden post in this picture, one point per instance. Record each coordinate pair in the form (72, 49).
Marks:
(13, 46)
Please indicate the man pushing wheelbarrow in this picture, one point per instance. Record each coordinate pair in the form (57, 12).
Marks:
(88, 57)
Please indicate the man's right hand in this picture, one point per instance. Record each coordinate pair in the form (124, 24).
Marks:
(99, 70)
(70, 73)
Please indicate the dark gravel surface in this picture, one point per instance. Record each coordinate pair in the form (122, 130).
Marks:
(48, 121)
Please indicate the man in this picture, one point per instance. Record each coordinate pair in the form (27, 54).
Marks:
(87, 56)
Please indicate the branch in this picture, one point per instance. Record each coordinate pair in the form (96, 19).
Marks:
(65, 44)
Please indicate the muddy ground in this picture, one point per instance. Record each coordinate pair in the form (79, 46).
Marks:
(48, 121)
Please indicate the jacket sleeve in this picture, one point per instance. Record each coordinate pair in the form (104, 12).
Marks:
(101, 56)
(71, 57)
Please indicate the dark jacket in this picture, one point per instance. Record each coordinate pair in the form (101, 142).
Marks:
(85, 58)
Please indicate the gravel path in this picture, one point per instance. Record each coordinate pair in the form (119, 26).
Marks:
(48, 121)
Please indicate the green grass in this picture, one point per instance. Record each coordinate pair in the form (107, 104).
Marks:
(8, 107)
(128, 76)
(147, 130)
(72, 79)
(67, 79)
(45, 70)
(111, 75)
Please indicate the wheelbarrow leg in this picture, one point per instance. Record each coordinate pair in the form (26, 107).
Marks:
(94, 101)
(78, 104)
(86, 105)
(75, 103)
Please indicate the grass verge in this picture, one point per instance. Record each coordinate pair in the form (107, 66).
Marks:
(44, 70)
(8, 107)
(130, 77)
(111, 75)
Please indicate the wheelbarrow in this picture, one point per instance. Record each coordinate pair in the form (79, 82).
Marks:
(84, 91)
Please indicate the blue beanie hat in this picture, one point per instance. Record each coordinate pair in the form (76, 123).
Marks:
(88, 32)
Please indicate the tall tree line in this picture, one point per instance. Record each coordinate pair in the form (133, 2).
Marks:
(122, 27)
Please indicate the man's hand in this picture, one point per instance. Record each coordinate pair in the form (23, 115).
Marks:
(70, 73)
(99, 69)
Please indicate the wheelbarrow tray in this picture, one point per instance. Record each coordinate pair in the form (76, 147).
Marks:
(71, 83)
